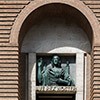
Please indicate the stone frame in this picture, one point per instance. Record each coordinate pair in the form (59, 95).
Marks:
(80, 79)
(47, 57)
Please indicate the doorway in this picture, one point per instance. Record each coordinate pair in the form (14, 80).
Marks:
(53, 96)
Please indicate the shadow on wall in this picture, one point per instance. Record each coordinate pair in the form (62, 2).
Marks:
(53, 33)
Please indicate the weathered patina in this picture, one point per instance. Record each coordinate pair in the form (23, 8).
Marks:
(54, 74)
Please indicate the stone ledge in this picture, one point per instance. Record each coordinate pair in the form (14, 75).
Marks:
(56, 89)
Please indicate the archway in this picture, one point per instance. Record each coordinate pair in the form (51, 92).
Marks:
(88, 14)
(33, 15)
(63, 24)
(57, 32)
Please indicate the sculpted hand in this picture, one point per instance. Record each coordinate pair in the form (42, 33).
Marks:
(40, 62)
(62, 82)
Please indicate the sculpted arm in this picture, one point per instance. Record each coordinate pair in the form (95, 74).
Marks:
(67, 79)
(39, 74)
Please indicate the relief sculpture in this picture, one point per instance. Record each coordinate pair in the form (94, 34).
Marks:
(54, 74)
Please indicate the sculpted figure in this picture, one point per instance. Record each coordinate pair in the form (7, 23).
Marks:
(54, 74)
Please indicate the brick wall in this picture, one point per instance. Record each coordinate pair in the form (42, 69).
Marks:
(94, 5)
(9, 10)
(95, 74)
(9, 54)
(8, 72)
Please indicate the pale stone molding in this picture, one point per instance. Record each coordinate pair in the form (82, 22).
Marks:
(79, 72)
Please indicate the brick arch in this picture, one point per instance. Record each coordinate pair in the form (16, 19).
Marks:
(15, 32)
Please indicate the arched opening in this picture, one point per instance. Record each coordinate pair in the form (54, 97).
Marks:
(53, 28)
(53, 15)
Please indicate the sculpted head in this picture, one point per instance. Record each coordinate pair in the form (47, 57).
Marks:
(56, 60)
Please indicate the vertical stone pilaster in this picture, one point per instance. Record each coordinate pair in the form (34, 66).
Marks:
(87, 75)
(32, 76)
(79, 76)
(95, 74)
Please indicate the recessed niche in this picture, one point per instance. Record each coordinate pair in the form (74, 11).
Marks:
(55, 70)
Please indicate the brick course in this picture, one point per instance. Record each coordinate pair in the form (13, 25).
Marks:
(9, 54)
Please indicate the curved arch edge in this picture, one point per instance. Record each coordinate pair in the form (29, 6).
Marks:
(14, 36)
